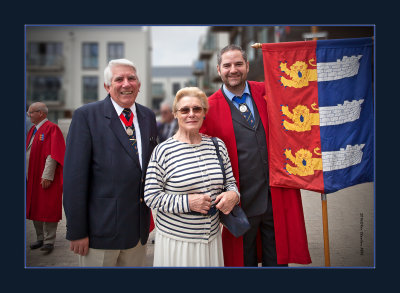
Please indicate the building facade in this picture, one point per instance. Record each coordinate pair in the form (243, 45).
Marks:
(167, 80)
(65, 64)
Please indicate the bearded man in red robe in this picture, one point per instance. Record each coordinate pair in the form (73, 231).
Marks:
(238, 115)
(45, 149)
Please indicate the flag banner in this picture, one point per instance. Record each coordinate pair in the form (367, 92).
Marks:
(320, 111)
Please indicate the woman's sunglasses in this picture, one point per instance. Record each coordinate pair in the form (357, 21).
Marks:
(186, 110)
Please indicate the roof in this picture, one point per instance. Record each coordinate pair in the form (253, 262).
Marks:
(172, 71)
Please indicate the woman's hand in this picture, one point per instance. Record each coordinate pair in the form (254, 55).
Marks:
(226, 201)
(199, 202)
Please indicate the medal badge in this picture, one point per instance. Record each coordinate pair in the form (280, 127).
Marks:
(243, 108)
(129, 131)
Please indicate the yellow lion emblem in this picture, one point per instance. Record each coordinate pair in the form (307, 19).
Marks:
(301, 117)
(305, 163)
(299, 73)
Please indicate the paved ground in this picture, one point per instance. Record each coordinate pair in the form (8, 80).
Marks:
(350, 220)
(351, 226)
(61, 256)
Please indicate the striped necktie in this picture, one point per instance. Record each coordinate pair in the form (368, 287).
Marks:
(130, 129)
(244, 109)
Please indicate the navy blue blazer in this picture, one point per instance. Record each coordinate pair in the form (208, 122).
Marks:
(103, 182)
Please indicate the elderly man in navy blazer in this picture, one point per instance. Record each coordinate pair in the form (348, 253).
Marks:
(108, 148)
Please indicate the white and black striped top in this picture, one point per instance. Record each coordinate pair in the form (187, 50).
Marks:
(177, 169)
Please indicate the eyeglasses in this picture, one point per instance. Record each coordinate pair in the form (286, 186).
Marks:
(29, 113)
(186, 110)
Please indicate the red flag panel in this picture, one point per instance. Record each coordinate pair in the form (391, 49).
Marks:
(292, 97)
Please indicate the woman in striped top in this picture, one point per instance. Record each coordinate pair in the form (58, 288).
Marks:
(184, 185)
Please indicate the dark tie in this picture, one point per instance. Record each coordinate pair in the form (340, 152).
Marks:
(34, 131)
(132, 137)
(245, 110)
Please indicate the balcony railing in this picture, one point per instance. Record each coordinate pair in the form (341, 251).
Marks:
(50, 98)
(208, 46)
(198, 68)
(45, 63)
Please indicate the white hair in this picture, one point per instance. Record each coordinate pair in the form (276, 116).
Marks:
(39, 106)
(112, 63)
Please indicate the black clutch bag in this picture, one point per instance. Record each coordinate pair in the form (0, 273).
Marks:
(236, 221)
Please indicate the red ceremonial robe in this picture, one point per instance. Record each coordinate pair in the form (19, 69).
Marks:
(290, 231)
(45, 204)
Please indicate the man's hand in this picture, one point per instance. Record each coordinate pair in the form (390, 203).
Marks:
(45, 183)
(226, 201)
(80, 246)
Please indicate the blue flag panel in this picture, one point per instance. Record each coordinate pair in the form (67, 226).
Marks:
(345, 98)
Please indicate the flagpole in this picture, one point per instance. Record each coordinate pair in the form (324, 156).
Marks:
(325, 228)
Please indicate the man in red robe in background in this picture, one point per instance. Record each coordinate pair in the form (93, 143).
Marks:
(45, 149)
(277, 235)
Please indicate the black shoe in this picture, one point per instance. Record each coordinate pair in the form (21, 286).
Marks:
(36, 244)
(47, 248)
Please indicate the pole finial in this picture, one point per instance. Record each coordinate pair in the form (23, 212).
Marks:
(257, 46)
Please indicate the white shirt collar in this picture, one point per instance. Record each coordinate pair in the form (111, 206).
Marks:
(41, 123)
(119, 109)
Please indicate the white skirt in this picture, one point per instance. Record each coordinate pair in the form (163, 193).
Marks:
(169, 252)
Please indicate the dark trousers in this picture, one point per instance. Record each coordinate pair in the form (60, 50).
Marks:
(265, 223)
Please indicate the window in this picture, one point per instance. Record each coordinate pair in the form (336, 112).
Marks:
(249, 32)
(156, 103)
(90, 55)
(157, 89)
(115, 51)
(44, 88)
(90, 86)
(238, 40)
(44, 54)
(262, 35)
(175, 88)
(210, 42)
(54, 115)
(250, 51)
